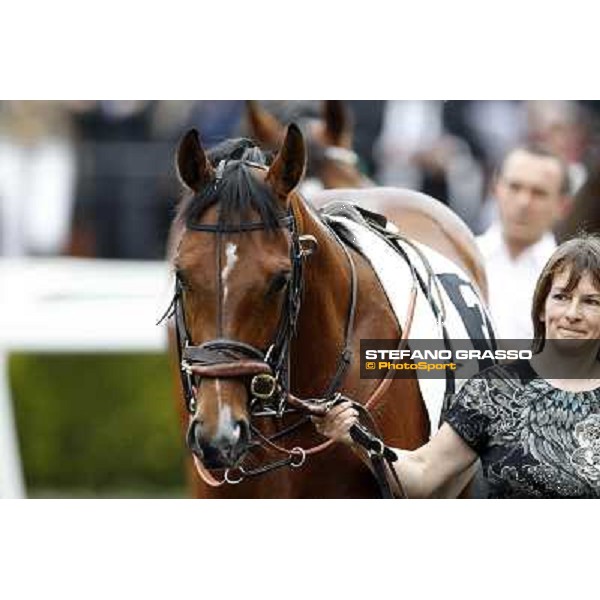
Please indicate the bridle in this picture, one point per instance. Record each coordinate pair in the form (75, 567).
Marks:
(269, 368)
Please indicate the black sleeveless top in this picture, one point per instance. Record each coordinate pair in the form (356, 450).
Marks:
(534, 440)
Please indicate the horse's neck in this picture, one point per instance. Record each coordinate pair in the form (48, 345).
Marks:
(327, 276)
(344, 176)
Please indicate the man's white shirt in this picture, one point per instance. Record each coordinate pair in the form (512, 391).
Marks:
(511, 283)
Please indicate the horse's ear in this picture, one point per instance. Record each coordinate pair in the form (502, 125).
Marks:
(264, 127)
(193, 166)
(338, 123)
(288, 167)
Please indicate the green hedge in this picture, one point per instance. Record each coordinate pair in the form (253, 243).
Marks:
(97, 423)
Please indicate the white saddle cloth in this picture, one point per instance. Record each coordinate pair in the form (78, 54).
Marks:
(396, 278)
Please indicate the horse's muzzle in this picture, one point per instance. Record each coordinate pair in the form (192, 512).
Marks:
(222, 451)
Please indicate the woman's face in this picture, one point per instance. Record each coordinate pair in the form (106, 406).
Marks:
(573, 315)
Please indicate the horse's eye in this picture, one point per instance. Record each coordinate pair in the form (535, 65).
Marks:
(279, 282)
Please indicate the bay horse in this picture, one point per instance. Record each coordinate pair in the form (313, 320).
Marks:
(263, 285)
(333, 162)
(331, 158)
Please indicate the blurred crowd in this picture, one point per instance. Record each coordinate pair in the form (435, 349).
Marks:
(97, 178)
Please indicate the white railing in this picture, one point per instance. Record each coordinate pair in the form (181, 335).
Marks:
(72, 305)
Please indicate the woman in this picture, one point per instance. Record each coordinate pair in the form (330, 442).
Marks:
(534, 424)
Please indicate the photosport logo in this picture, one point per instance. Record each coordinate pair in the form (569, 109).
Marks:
(438, 358)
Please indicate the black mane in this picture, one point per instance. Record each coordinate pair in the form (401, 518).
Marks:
(238, 193)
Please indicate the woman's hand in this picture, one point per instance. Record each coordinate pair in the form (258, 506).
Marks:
(337, 422)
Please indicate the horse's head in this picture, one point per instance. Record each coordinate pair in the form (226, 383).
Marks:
(331, 159)
(238, 279)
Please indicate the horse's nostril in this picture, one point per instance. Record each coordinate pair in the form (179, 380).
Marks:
(239, 444)
(194, 438)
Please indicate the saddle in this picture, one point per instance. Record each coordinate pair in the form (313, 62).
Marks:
(448, 307)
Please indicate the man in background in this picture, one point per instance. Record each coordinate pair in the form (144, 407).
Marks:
(532, 194)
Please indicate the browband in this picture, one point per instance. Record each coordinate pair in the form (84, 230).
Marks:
(285, 221)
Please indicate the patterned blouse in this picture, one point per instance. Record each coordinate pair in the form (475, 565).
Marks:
(534, 440)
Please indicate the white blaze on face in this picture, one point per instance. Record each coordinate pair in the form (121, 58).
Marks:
(230, 260)
(225, 426)
(218, 393)
(226, 430)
